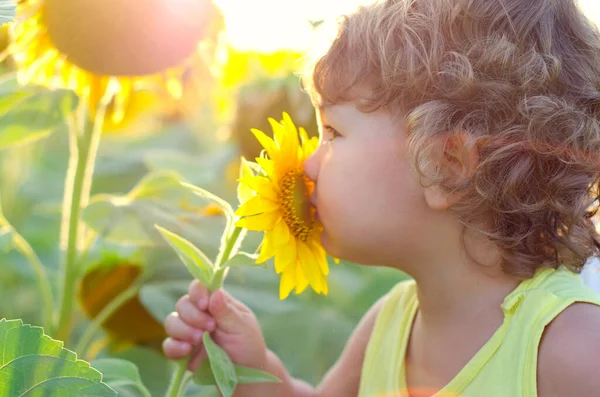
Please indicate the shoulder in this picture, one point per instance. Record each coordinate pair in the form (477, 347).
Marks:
(568, 353)
(349, 365)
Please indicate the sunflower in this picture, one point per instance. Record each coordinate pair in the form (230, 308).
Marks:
(278, 202)
(110, 51)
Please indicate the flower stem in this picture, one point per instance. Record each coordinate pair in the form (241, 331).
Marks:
(175, 388)
(78, 183)
(41, 277)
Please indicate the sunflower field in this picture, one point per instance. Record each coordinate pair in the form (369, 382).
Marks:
(136, 143)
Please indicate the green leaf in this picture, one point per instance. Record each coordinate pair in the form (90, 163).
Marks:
(35, 117)
(204, 376)
(225, 206)
(160, 199)
(244, 259)
(8, 11)
(123, 376)
(197, 263)
(221, 365)
(33, 364)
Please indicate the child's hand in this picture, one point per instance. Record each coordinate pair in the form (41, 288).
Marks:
(231, 324)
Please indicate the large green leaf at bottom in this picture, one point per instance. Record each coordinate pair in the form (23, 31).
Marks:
(33, 364)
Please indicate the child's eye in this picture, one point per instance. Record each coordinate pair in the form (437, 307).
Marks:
(330, 133)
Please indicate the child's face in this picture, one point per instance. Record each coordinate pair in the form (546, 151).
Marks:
(368, 200)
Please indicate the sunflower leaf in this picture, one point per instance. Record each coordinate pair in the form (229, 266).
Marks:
(244, 259)
(195, 260)
(123, 376)
(35, 117)
(222, 368)
(32, 363)
(225, 206)
(204, 376)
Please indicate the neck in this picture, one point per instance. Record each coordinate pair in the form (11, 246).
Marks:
(454, 289)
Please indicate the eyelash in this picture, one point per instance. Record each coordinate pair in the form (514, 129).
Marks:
(332, 132)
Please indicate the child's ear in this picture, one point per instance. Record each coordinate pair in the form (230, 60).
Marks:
(457, 159)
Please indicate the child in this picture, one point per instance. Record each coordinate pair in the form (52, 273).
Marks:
(463, 136)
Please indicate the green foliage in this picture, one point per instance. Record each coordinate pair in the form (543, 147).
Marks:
(28, 115)
(122, 376)
(196, 262)
(33, 364)
(243, 375)
(221, 366)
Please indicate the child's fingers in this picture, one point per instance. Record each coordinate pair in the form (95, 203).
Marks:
(178, 329)
(175, 349)
(191, 315)
(227, 312)
(199, 294)
(197, 359)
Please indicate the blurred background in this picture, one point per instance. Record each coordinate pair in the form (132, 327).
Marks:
(194, 121)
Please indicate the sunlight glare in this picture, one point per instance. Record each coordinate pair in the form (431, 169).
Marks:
(270, 25)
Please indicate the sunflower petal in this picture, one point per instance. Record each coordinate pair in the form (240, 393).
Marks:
(267, 142)
(267, 250)
(281, 233)
(278, 131)
(261, 222)
(309, 267)
(256, 205)
(269, 168)
(287, 283)
(301, 281)
(286, 256)
(320, 257)
(244, 192)
(262, 186)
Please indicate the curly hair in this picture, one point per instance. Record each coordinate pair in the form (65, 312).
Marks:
(520, 78)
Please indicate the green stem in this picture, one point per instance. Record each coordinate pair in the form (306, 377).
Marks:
(39, 271)
(77, 191)
(104, 314)
(176, 386)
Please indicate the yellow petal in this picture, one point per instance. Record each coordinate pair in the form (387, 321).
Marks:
(269, 168)
(286, 256)
(287, 283)
(265, 221)
(320, 257)
(290, 147)
(267, 143)
(256, 205)
(244, 192)
(289, 125)
(309, 267)
(301, 281)
(262, 186)
(281, 233)
(278, 131)
(267, 250)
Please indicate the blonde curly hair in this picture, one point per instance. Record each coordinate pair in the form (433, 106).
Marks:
(519, 78)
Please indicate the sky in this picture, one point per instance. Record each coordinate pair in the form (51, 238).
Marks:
(269, 25)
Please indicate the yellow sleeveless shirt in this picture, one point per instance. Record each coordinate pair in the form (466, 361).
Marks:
(506, 366)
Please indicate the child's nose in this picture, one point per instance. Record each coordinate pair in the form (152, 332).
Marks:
(311, 165)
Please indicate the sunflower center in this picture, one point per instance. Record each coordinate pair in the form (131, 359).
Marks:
(297, 211)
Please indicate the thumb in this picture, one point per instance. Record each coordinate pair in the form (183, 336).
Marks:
(225, 311)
